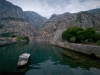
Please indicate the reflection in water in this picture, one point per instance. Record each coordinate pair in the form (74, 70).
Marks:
(47, 60)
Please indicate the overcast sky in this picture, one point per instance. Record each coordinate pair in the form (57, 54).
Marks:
(48, 7)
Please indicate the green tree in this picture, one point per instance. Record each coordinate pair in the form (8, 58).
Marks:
(98, 33)
(81, 35)
(90, 34)
(71, 32)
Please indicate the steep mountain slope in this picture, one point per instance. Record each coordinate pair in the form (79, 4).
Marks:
(34, 18)
(14, 20)
(51, 25)
(7, 9)
(82, 19)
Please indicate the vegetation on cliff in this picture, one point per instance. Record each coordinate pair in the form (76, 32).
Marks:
(76, 34)
(22, 38)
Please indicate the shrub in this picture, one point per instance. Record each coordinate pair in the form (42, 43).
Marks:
(73, 39)
(79, 19)
(22, 38)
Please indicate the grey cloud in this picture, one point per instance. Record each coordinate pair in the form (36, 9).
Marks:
(86, 0)
(54, 3)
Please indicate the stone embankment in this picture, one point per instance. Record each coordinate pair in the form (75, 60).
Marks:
(81, 48)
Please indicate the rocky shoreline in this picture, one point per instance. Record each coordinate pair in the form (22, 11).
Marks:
(4, 43)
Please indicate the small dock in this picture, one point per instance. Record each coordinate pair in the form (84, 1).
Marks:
(23, 60)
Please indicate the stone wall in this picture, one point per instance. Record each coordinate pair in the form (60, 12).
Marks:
(57, 36)
(86, 49)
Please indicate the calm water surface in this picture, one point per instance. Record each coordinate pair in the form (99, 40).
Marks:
(46, 59)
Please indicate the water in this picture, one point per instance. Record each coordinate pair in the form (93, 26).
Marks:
(46, 59)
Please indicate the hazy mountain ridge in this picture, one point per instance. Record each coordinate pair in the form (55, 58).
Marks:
(60, 16)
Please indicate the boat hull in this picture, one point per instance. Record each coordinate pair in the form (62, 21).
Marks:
(23, 60)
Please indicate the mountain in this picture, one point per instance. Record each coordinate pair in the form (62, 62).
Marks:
(14, 20)
(60, 16)
(84, 19)
(94, 11)
(34, 18)
(7, 9)
(50, 25)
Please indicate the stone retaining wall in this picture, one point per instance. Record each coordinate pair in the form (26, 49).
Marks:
(86, 49)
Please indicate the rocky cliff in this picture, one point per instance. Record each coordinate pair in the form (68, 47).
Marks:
(52, 23)
(14, 20)
(7, 9)
(82, 19)
(34, 18)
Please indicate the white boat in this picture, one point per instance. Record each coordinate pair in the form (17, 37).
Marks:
(23, 60)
